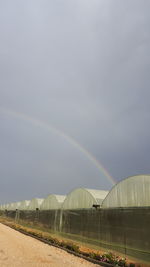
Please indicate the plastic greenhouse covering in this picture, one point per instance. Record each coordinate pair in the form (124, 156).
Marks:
(1, 207)
(83, 198)
(133, 191)
(13, 206)
(35, 203)
(24, 205)
(5, 206)
(10, 206)
(52, 202)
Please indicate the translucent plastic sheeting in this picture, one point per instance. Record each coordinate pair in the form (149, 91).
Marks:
(35, 203)
(4, 206)
(83, 198)
(133, 191)
(13, 206)
(24, 205)
(52, 202)
(120, 229)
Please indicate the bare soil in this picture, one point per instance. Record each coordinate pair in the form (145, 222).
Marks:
(18, 250)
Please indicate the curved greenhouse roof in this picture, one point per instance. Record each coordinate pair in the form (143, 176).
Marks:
(24, 205)
(52, 202)
(83, 198)
(1, 207)
(5, 206)
(13, 206)
(133, 191)
(35, 203)
(9, 206)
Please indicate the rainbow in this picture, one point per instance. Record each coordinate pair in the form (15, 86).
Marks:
(68, 138)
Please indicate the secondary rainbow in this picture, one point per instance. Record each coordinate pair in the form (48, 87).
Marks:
(71, 140)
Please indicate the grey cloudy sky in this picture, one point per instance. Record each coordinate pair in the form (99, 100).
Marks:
(83, 66)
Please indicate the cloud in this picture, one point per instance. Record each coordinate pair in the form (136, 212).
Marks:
(82, 66)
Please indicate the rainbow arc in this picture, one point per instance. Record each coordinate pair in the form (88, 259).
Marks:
(68, 138)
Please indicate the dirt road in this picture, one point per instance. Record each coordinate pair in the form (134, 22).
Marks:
(18, 250)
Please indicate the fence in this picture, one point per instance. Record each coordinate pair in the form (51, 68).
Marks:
(126, 230)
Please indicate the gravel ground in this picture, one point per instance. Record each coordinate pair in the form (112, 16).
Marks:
(18, 250)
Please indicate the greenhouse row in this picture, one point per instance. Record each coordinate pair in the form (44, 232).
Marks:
(133, 191)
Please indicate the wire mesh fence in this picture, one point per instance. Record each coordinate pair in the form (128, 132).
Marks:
(121, 229)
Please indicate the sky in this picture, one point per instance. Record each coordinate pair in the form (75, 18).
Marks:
(74, 91)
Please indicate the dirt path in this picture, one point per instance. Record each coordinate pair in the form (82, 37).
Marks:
(18, 250)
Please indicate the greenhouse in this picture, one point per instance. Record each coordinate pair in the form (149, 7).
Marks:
(52, 202)
(83, 198)
(35, 203)
(10, 206)
(13, 206)
(4, 206)
(133, 191)
(24, 205)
